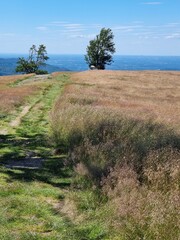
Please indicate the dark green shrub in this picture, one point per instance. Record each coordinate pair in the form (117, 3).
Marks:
(41, 72)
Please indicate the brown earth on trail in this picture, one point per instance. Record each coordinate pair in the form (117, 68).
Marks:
(138, 94)
(17, 121)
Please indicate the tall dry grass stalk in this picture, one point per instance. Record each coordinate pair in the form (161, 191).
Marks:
(101, 138)
(148, 211)
(138, 94)
(120, 129)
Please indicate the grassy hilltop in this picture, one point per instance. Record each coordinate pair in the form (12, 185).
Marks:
(90, 155)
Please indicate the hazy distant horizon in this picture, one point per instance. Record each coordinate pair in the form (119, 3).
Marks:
(116, 54)
(76, 62)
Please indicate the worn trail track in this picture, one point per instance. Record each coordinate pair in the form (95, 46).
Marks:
(31, 159)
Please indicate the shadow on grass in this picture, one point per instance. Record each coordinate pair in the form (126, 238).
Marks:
(24, 150)
(41, 175)
(16, 148)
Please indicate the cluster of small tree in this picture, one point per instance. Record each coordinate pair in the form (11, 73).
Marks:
(99, 53)
(36, 58)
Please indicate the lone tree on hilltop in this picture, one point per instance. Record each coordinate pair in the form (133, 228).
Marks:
(100, 50)
(36, 58)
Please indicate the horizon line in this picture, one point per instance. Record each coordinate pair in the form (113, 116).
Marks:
(118, 54)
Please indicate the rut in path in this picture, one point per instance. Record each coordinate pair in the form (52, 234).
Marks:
(17, 121)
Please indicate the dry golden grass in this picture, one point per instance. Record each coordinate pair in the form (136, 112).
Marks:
(136, 94)
(111, 107)
(11, 96)
(5, 80)
(102, 122)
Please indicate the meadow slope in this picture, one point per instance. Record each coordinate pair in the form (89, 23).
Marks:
(90, 155)
(120, 131)
(137, 94)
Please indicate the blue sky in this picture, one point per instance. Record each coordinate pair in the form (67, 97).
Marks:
(140, 27)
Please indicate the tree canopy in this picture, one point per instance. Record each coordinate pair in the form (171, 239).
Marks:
(100, 49)
(36, 58)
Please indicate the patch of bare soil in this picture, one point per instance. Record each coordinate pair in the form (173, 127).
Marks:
(37, 78)
(17, 121)
(3, 132)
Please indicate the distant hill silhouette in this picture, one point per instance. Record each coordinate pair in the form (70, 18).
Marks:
(8, 66)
